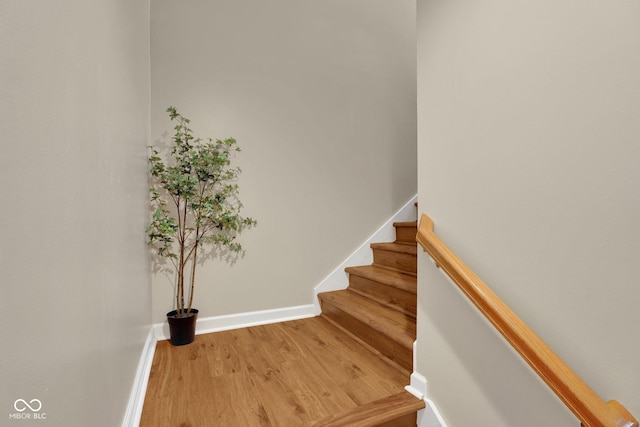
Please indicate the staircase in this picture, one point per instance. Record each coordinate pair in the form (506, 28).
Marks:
(379, 306)
(379, 309)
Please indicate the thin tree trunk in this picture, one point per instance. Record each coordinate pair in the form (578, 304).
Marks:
(182, 222)
(193, 276)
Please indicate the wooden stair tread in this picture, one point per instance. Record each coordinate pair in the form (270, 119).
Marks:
(406, 224)
(404, 248)
(394, 278)
(400, 256)
(387, 321)
(374, 413)
(406, 232)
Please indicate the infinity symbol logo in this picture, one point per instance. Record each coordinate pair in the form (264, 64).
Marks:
(21, 403)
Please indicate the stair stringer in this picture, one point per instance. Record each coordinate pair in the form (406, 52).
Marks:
(338, 280)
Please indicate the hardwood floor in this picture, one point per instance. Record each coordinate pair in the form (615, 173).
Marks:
(286, 374)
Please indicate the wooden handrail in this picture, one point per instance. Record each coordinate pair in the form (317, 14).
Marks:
(585, 404)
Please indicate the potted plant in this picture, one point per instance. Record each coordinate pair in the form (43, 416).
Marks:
(194, 209)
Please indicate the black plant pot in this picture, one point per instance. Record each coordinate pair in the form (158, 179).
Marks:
(182, 329)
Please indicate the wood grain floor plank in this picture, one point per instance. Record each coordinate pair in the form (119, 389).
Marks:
(285, 374)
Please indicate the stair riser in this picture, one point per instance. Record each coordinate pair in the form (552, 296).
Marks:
(396, 260)
(385, 345)
(406, 234)
(401, 300)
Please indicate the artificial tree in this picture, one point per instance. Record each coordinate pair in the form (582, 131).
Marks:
(194, 205)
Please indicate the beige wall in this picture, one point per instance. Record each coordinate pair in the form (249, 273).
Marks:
(528, 163)
(74, 96)
(321, 98)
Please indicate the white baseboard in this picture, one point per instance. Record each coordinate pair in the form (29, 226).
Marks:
(417, 386)
(429, 416)
(338, 279)
(241, 320)
(139, 389)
